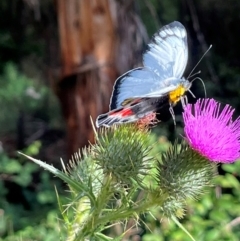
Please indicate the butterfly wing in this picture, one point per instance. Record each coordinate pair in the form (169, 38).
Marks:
(135, 84)
(166, 57)
(167, 52)
(138, 109)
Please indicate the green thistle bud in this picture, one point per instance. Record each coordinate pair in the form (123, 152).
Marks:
(84, 170)
(182, 174)
(173, 207)
(123, 153)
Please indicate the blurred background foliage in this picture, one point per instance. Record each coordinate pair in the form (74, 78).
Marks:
(31, 119)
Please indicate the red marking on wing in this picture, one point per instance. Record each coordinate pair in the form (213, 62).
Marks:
(126, 112)
(122, 112)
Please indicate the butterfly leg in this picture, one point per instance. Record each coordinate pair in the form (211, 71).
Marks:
(173, 115)
(184, 101)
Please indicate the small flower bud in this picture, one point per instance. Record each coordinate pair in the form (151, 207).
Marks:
(182, 173)
(122, 152)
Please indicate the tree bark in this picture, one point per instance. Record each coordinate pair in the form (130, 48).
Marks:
(91, 42)
(87, 42)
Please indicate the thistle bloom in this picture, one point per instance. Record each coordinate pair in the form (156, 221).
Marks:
(211, 131)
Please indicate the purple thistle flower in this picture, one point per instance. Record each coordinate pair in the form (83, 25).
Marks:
(211, 132)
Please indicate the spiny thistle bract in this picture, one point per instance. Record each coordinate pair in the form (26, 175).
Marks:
(181, 174)
(108, 181)
(120, 156)
(82, 169)
(123, 153)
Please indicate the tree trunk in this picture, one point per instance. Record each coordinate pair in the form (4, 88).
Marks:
(91, 42)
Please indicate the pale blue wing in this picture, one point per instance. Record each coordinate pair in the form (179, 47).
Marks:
(138, 83)
(167, 52)
(164, 63)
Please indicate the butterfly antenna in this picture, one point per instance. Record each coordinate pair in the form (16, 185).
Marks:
(200, 60)
(205, 92)
(190, 76)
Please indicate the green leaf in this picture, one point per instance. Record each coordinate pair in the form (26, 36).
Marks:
(175, 220)
(70, 181)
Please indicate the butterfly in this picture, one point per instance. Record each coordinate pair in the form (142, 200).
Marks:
(144, 90)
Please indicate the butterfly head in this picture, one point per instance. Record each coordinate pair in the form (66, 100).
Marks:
(176, 95)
